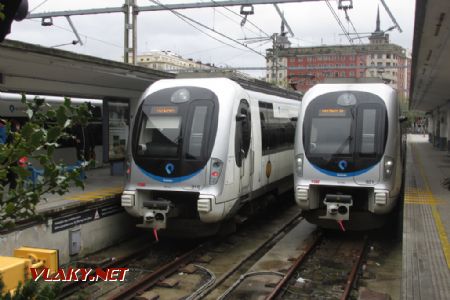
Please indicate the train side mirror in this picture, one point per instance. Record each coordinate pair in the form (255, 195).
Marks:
(402, 119)
(240, 117)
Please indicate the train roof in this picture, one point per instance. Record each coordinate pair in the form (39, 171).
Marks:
(247, 83)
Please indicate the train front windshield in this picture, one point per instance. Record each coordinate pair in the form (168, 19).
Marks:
(175, 131)
(345, 132)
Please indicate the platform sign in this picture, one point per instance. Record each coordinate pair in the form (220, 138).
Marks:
(83, 217)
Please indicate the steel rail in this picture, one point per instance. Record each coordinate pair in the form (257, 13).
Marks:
(277, 235)
(72, 286)
(292, 269)
(354, 272)
(153, 278)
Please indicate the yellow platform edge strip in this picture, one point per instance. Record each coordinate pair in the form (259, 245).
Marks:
(435, 212)
(96, 194)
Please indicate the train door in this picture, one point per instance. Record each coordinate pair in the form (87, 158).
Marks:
(242, 146)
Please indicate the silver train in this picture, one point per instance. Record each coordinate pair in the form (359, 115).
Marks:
(201, 149)
(348, 155)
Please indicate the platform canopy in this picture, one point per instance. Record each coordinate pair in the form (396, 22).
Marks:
(47, 71)
(430, 86)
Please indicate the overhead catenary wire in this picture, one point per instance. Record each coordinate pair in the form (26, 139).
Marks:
(202, 31)
(339, 21)
(347, 17)
(39, 5)
(182, 16)
(248, 21)
(84, 35)
(231, 19)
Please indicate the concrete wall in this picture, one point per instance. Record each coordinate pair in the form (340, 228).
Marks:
(95, 236)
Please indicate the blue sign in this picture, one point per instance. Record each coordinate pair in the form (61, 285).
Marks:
(343, 165)
(170, 168)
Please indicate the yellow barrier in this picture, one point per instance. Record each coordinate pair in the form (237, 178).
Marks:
(17, 269)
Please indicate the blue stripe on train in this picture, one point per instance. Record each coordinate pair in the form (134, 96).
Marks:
(336, 174)
(167, 179)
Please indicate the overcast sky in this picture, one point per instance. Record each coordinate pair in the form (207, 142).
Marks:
(312, 23)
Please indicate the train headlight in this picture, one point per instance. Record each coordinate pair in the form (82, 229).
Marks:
(388, 167)
(299, 164)
(204, 204)
(381, 198)
(216, 170)
(128, 198)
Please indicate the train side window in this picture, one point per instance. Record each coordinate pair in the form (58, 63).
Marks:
(243, 132)
(277, 132)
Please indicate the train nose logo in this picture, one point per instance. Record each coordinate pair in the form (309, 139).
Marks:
(170, 168)
(343, 165)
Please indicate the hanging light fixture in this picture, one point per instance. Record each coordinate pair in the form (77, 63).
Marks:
(47, 21)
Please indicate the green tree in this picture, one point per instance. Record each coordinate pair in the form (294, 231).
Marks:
(37, 139)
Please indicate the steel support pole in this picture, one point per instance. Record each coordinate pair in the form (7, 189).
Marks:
(135, 12)
(126, 7)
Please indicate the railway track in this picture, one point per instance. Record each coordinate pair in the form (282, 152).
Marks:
(327, 269)
(202, 270)
(152, 263)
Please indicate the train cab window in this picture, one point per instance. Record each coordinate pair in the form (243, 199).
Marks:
(368, 131)
(160, 136)
(176, 126)
(351, 129)
(328, 141)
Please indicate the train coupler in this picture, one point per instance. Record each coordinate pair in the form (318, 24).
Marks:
(156, 213)
(338, 207)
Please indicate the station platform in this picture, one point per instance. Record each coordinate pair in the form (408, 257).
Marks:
(99, 185)
(77, 223)
(426, 224)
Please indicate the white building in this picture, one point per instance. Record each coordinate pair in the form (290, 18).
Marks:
(169, 62)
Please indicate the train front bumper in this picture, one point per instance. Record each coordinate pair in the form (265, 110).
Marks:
(379, 201)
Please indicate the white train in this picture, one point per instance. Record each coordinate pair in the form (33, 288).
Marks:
(348, 155)
(200, 149)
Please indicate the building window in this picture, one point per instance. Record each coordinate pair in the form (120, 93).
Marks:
(388, 56)
(380, 55)
(379, 64)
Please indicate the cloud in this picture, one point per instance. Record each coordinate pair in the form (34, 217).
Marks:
(312, 23)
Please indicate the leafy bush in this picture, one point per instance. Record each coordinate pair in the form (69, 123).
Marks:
(37, 139)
